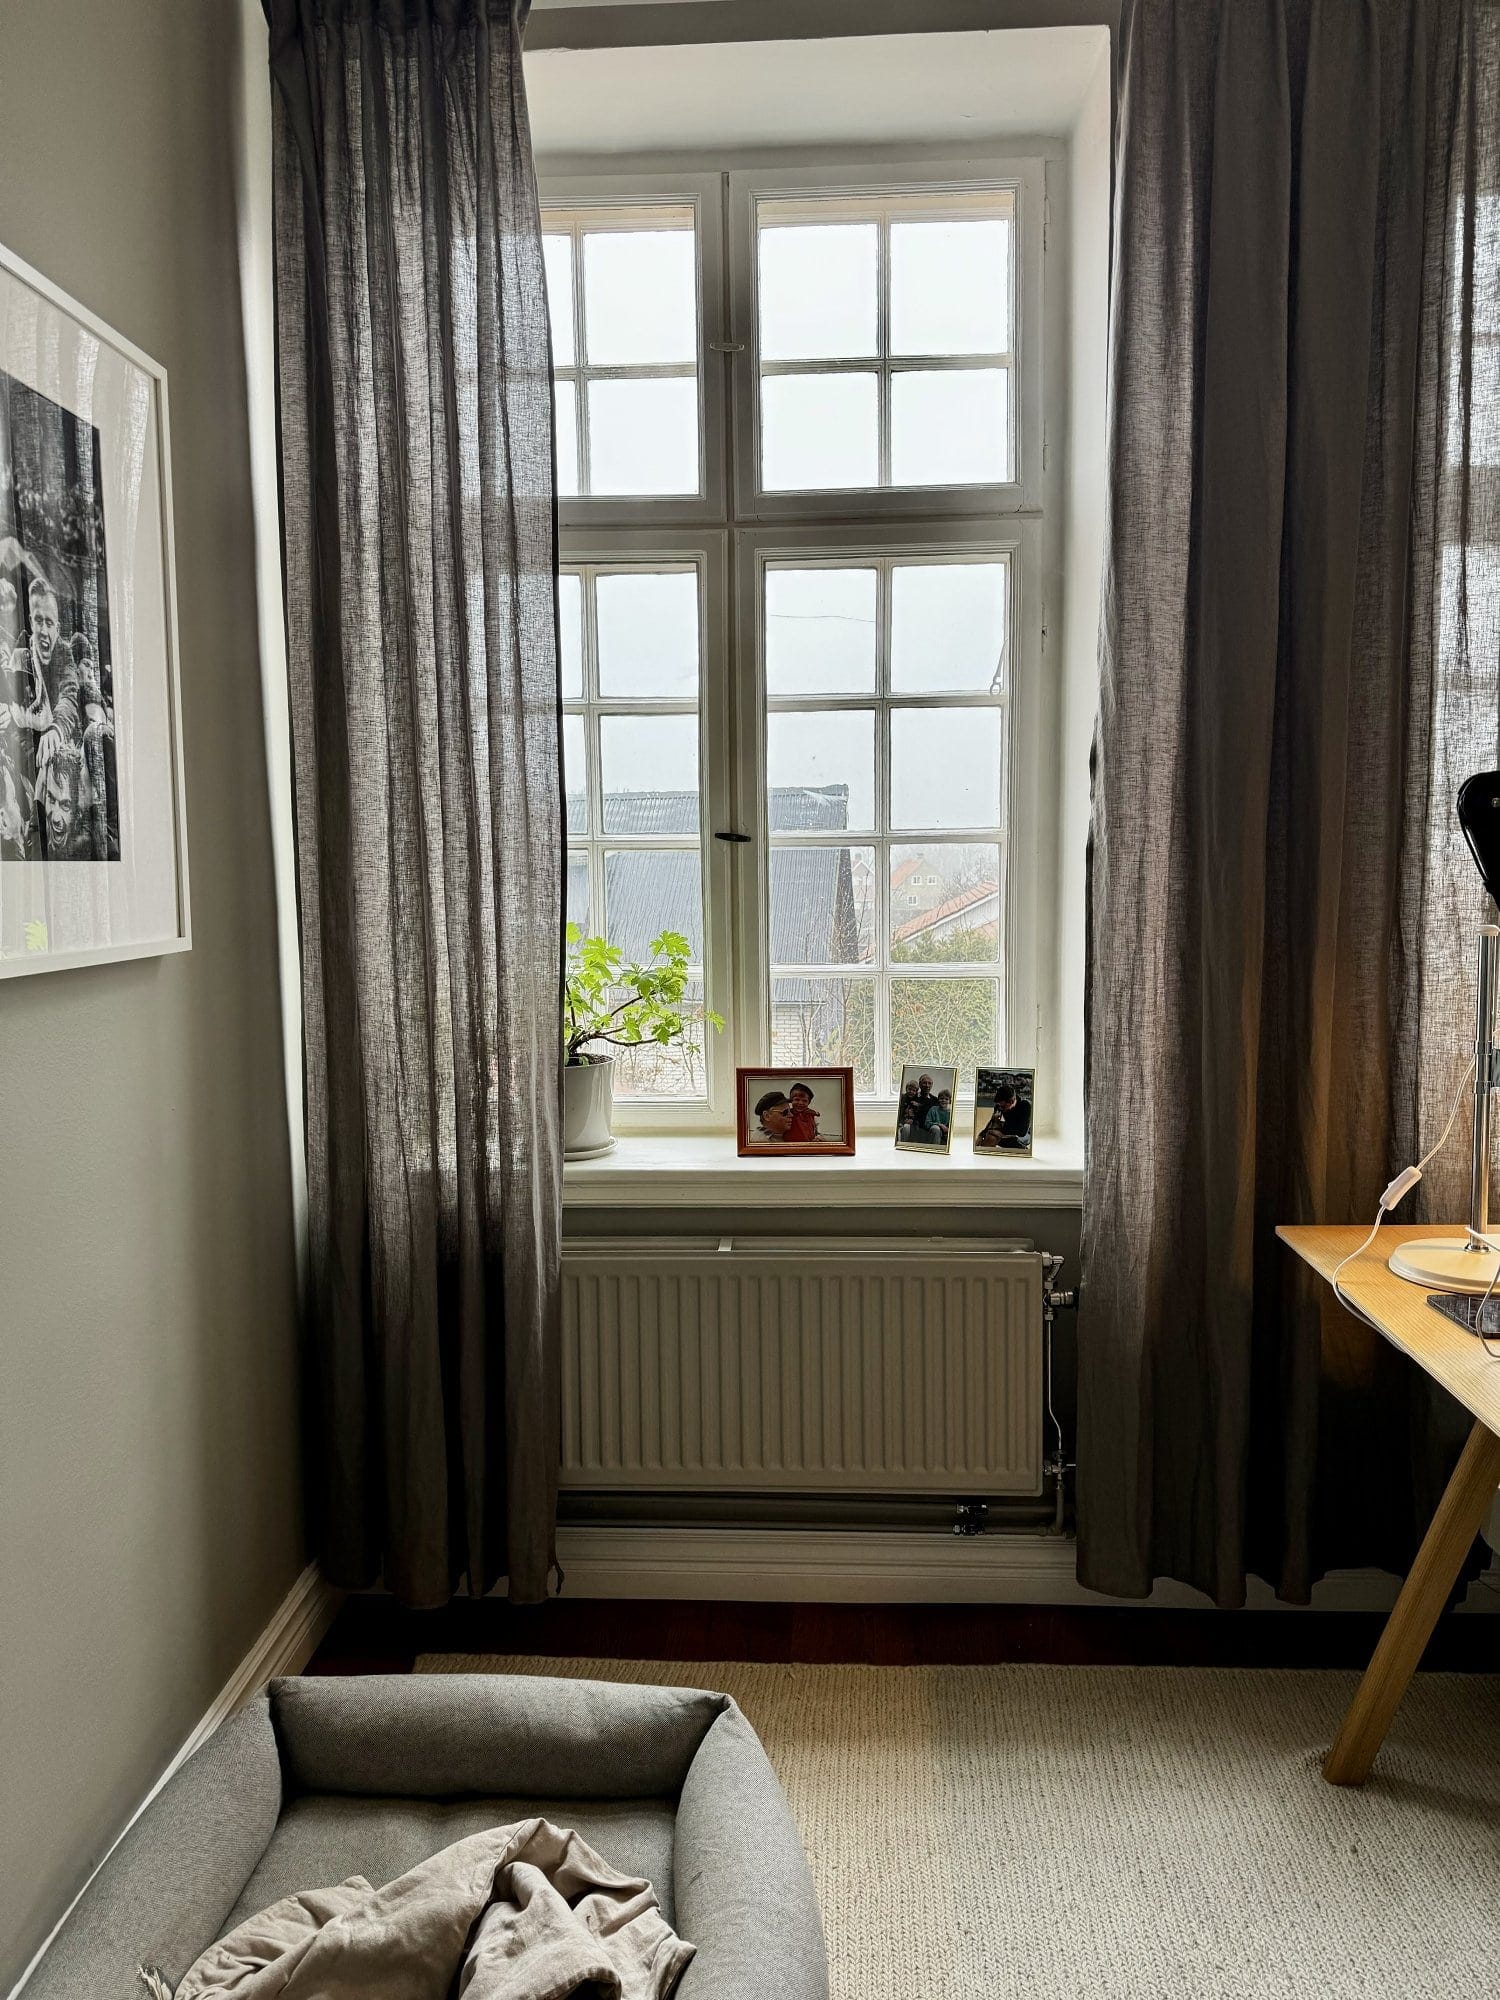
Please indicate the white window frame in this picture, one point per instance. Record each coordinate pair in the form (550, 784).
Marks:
(646, 549)
(1019, 969)
(704, 194)
(1024, 180)
(733, 530)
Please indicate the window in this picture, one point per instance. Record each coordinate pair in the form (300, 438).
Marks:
(622, 286)
(804, 531)
(883, 341)
(632, 671)
(885, 731)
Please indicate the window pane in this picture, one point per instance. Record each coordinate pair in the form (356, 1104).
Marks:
(643, 436)
(575, 774)
(820, 770)
(823, 905)
(949, 427)
(678, 1070)
(648, 633)
(570, 633)
(945, 903)
(948, 627)
(649, 765)
(820, 631)
(640, 297)
(944, 1021)
(818, 292)
(565, 399)
(819, 432)
(825, 1021)
(946, 767)
(578, 891)
(650, 890)
(950, 287)
(557, 257)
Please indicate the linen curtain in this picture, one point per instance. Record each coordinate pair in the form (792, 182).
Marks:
(419, 547)
(1298, 655)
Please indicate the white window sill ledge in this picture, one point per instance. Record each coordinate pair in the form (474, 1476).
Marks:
(704, 1171)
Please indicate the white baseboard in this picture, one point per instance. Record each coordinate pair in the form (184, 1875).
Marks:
(285, 1646)
(799, 1566)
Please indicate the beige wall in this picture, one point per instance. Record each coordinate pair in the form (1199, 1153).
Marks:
(149, 1519)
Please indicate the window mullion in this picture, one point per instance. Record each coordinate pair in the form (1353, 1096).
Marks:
(592, 758)
(883, 342)
(883, 593)
(580, 353)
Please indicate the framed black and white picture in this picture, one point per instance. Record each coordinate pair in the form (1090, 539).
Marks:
(93, 840)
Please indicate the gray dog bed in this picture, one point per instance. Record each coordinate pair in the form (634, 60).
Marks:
(321, 1779)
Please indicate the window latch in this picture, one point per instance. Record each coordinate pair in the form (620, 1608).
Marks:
(738, 839)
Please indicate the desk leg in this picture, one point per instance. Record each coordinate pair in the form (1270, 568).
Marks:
(1459, 1517)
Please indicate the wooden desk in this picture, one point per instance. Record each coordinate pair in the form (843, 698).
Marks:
(1459, 1362)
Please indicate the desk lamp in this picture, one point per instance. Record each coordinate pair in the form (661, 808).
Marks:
(1442, 1263)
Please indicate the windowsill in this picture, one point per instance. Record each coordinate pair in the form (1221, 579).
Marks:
(702, 1170)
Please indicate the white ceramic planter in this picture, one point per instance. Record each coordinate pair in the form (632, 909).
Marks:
(588, 1108)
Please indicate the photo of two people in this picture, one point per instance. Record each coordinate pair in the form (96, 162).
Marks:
(796, 1111)
(58, 785)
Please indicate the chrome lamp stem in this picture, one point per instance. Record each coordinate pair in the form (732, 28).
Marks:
(1488, 969)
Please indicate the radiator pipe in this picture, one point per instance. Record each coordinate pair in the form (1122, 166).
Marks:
(1058, 1466)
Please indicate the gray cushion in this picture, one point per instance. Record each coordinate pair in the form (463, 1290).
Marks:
(455, 1735)
(325, 1838)
(745, 1895)
(164, 1893)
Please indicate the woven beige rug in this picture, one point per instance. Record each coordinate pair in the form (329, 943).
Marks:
(1121, 1832)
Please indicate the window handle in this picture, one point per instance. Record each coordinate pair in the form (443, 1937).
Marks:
(738, 839)
(726, 346)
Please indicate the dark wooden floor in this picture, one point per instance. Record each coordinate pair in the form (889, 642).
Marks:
(373, 1635)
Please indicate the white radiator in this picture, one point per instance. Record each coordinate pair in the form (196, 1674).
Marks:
(819, 1366)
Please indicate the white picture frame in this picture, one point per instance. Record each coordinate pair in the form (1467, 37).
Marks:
(93, 818)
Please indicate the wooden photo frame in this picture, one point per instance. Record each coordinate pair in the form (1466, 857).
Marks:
(779, 1111)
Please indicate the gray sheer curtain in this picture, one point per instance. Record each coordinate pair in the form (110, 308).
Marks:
(417, 489)
(1298, 654)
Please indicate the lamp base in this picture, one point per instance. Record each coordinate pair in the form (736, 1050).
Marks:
(1445, 1264)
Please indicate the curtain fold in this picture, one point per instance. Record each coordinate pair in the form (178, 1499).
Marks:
(1298, 657)
(420, 555)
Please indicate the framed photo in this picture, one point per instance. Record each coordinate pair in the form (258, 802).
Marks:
(924, 1111)
(1003, 1111)
(784, 1111)
(93, 839)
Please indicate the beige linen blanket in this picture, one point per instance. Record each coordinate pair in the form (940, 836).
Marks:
(523, 1912)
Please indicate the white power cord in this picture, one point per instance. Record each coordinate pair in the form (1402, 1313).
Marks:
(1490, 1243)
(1399, 1188)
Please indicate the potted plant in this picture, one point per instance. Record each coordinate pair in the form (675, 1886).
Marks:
(608, 1003)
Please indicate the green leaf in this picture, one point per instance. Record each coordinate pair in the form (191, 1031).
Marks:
(607, 1001)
